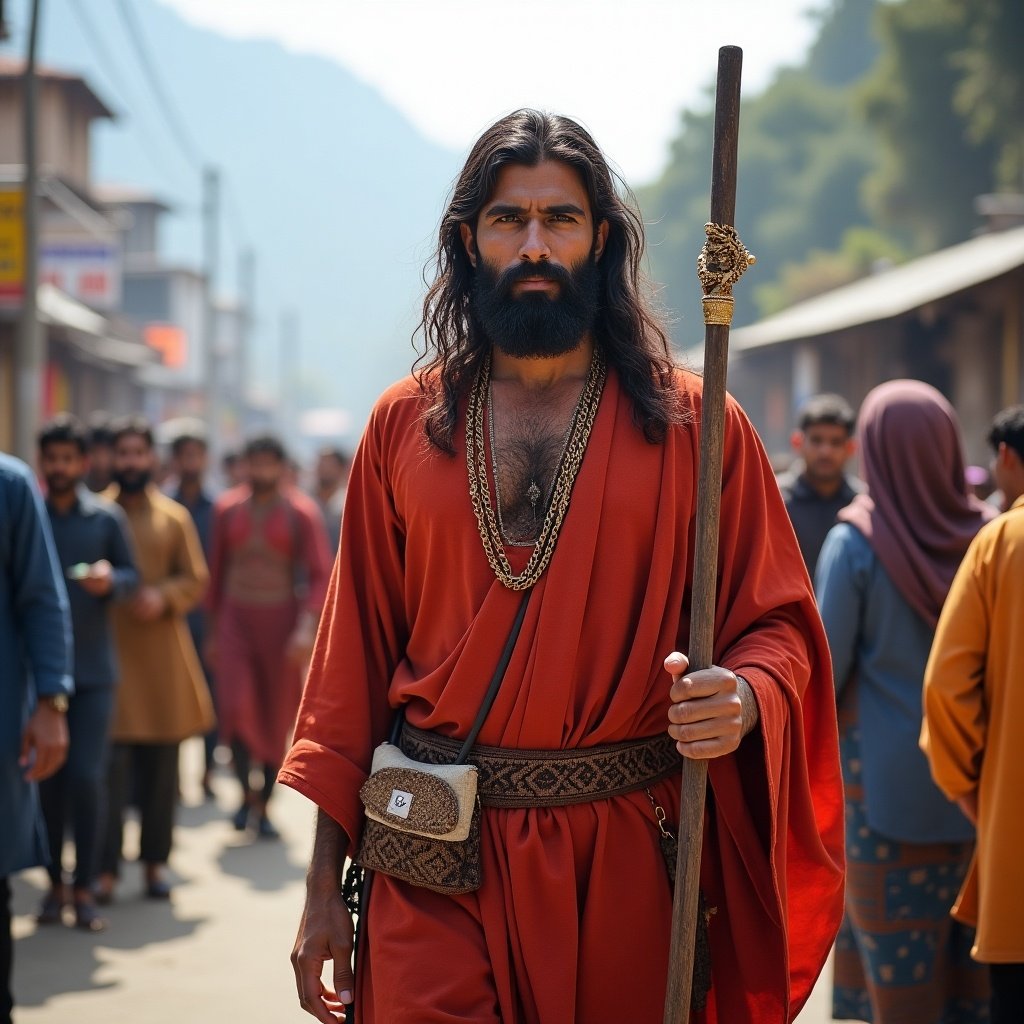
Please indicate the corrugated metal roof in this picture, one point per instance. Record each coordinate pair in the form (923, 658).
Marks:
(892, 292)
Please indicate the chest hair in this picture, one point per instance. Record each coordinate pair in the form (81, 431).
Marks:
(529, 438)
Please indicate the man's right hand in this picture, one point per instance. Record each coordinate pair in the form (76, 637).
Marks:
(148, 604)
(325, 933)
(100, 580)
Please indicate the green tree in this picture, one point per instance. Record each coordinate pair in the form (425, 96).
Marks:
(932, 165)
(990, 93)
(804, 152)
(862, 251)
(876, 146)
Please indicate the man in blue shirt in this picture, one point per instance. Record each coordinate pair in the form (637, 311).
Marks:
(817, 486)
(96, 558)
(35, 684)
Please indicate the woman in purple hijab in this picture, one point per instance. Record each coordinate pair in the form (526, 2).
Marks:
(881, 580)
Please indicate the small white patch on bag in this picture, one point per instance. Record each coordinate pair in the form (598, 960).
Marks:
(400, 803)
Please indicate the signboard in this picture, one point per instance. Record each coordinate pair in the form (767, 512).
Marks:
(170, 341)
(12, 247)
(88, 270)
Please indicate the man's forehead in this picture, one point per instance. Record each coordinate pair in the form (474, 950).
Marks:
(550, 182)
(131, 442)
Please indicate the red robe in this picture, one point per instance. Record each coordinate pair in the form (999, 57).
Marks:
(258, 686)
(572, 921)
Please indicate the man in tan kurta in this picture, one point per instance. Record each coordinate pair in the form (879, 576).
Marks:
(163, 697)
(974, 709)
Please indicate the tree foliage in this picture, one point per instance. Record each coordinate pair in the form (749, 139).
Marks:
(931, 168)
(875, 147)
(803, 153)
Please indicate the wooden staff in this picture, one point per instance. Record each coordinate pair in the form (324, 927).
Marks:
(722, 261)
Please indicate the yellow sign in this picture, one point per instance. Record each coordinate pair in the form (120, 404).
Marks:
(12, 245)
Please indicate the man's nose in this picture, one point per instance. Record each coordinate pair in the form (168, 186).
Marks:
(534, 246)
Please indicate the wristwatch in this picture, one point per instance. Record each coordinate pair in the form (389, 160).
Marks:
(57, 701)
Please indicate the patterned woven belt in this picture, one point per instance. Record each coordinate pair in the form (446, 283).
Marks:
(552, 778)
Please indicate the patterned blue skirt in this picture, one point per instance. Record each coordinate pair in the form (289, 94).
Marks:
(900, 958)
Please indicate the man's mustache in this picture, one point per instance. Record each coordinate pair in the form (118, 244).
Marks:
(533, 271)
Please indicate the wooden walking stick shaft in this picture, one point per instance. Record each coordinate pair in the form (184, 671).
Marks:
(709, 493)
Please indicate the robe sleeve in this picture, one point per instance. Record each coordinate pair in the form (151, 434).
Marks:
(121, 555)
(39, 599)
(363, 631)
(778, 801)
(184, 588)
(953, 733)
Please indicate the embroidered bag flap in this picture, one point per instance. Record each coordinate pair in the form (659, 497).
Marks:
(431, 800)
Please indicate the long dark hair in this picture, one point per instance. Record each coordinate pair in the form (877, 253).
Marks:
(628, 332)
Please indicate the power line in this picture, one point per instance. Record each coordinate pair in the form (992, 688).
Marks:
(176, 124)
(146, 62)
(110, 66)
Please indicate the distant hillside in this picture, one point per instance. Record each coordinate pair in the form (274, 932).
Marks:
(337, 191)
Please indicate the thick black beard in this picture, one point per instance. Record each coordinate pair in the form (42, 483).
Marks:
(534, 325)
(133, 481)
(59, 484)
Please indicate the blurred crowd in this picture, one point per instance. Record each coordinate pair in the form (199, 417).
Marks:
(919, 586)
(146, 607)
(182, 611)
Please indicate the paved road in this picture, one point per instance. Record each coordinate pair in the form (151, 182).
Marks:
(218, 953)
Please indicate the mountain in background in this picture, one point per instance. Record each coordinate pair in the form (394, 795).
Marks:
(337, 192)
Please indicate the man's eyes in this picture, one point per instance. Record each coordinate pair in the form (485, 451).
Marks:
(515, 218)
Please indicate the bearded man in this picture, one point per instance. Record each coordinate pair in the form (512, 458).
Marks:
(549, 445)
(163, 698)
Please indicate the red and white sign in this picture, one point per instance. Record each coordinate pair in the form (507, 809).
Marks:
(86, 269)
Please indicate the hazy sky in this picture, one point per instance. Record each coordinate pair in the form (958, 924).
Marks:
(623, 67)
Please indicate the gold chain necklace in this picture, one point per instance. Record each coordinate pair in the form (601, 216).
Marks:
(533, 493)
(561, 490)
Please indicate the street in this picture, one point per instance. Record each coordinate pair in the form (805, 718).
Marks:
(218, 952)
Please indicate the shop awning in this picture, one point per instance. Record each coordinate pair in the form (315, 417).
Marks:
(90, 332)
(891, 292)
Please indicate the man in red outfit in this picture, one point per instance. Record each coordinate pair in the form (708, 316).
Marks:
(269, 545)
(548, 383)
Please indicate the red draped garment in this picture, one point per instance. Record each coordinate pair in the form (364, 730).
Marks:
(258, 552)
(572, 921)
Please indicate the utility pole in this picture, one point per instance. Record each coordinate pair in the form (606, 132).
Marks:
(211, 257)
(29, 355)
(247, 297)
(288, 363)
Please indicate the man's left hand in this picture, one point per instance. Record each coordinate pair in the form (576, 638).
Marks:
(712, 710)
(44, 744)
